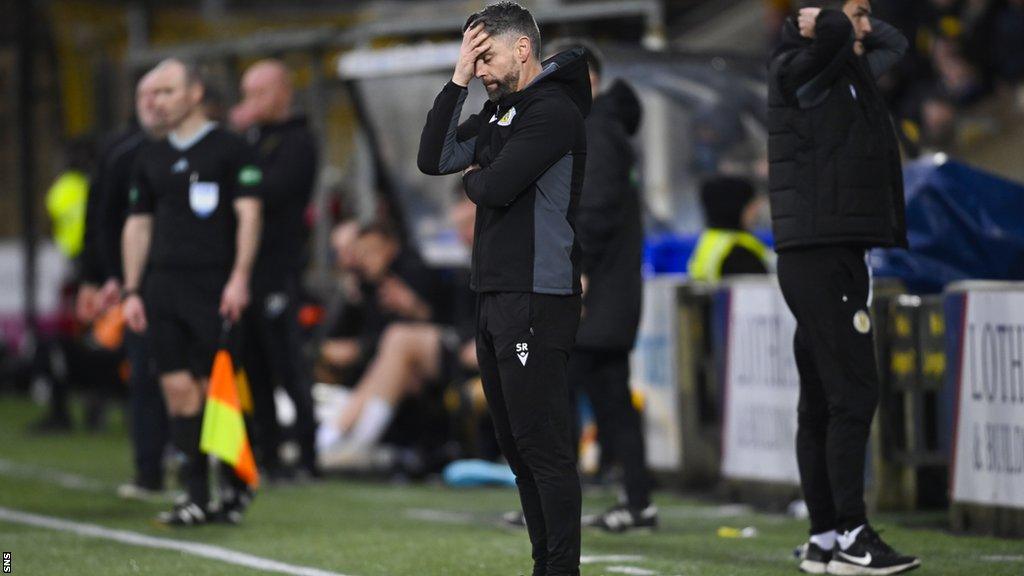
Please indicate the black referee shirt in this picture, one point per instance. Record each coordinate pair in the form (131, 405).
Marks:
(190, 189)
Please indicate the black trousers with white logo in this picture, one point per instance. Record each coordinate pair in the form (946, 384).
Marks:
(827, 289)
(523, 344)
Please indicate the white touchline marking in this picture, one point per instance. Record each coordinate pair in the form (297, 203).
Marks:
(708, 512)
(51, 476)
(439, 516)
(136, 539)
(998, 558)
(608, 558)
(631, 570)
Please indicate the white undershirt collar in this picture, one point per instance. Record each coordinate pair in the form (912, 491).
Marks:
(181, 145)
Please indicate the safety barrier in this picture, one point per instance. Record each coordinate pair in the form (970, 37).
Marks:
(910, 447)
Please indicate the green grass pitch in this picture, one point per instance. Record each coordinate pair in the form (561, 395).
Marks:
(367, 529)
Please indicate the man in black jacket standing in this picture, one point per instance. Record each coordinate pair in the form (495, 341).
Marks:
(523, 159)
(836, 190)
(610, 229)
(286, 153)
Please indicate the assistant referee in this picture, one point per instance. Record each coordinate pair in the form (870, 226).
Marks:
(195, 220)
(523, 157)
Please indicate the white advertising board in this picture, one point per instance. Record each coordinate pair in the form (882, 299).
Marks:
(988, 462)
(761, 386)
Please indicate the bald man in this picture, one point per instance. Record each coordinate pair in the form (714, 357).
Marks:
(193, 229)
(286, 153)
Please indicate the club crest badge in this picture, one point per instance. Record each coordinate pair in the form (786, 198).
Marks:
(507, 118)
(862, 322)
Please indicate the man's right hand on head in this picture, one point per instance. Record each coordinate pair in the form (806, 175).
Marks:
(808, 21)
(475, 41)
(134, 313)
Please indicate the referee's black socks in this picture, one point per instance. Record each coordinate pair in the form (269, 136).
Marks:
(194, 474)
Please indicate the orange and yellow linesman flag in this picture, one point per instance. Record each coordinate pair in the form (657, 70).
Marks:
(244, 391)
(223, 425)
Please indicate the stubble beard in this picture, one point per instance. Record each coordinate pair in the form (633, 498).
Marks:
(505, 86)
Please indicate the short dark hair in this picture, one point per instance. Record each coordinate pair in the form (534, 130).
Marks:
(823, 4)
(505, 17)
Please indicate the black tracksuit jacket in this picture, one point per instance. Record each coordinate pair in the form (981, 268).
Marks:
(287, 155)
(531, 149)
(107, 206)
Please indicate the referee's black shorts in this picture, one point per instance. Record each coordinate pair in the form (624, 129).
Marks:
(184, 321)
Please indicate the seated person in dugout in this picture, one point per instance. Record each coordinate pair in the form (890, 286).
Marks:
(338, 355)
(389, 283)
(410, 358)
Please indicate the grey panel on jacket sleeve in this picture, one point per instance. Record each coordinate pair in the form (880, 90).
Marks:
(552, 235)
(456, 155)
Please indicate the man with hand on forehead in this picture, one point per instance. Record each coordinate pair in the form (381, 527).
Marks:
(522, 158)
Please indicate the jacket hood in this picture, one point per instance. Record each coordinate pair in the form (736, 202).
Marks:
(790, 38)
(569, 71)
(620, 104)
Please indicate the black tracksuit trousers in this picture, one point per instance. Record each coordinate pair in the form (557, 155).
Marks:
(827, 289)
(523, 344)
(273, 354)
(149, 422)
(603, 375)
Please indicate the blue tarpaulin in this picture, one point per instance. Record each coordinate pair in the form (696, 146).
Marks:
(962, 223)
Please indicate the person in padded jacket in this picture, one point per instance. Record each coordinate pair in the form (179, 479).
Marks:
(523, 159)
(836, 190)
